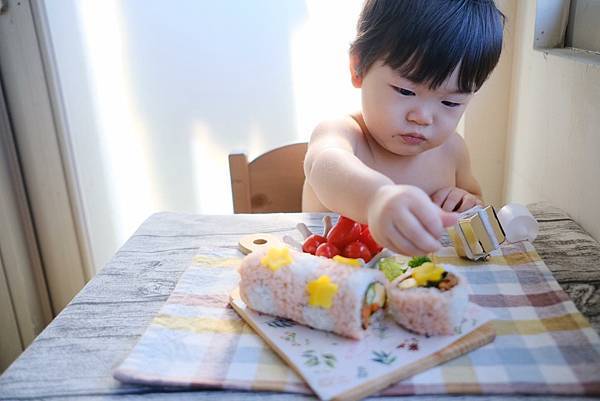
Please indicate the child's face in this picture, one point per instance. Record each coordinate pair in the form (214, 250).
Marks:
(408, 118)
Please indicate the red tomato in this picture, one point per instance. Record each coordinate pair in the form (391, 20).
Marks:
(357, 250)
(344, 232)
(327, 249)
(369, 241)
(312, 242)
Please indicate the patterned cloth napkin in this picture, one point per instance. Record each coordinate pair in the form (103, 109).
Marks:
(544, 345)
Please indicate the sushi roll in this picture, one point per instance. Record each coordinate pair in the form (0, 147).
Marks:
(336, 295)
(424, 297)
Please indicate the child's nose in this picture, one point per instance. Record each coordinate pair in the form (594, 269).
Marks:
(420, 116)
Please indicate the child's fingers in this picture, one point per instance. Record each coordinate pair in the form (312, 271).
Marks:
(401, 244)
(448, 218)
(452, 200)
(468, 202)
(429, 216)
(405, 247)
(440, 196)
(412, 229)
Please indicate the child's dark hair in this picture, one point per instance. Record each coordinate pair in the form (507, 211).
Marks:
(425, 40)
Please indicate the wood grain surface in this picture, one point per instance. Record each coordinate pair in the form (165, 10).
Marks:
(74, 356)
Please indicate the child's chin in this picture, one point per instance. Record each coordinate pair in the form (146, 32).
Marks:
(405, 150)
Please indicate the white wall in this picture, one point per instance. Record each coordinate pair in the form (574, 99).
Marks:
(534, 128)
(157, 94)
(554, 130)
(485, 122)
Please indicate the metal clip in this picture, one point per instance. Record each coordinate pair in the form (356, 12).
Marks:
(477, 233)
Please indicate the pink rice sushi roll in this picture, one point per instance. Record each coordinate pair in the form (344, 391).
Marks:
(315, 291)
(429, 299)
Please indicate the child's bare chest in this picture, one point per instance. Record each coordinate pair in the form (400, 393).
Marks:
(429, 171)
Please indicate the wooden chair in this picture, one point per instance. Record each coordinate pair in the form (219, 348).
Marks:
(270, 183)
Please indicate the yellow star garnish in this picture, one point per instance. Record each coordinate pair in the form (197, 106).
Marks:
(276, 258)
(321, 292)
(427, 272)
(347, 261)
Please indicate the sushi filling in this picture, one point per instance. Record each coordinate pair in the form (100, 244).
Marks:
(418, 272)
(374, 300)
(427, 275)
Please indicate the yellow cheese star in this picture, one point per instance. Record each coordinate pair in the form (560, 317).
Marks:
(347, 261)
(276, 258)
(321, 292)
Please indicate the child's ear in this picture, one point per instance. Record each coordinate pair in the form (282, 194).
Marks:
(356, 77)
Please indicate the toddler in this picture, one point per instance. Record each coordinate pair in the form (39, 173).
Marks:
(398, 163)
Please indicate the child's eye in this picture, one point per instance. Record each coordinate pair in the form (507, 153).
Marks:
(450, 104)
(403, 91)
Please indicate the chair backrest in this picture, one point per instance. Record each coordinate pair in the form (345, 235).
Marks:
(270, 183)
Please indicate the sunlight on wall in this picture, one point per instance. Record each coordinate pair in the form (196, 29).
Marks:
(321, 88)
(321, 76)
(256, 142)
(211, 181)
(123, 145)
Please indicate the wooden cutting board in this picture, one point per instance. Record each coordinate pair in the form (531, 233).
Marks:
(343, 369)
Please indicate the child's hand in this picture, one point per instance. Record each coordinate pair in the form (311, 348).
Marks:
(454, 199)
(404, 219)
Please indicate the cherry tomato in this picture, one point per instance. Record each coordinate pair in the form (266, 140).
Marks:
(312, 242)
(344, 232)
(369, 241)
(357, 249)
(327, 249)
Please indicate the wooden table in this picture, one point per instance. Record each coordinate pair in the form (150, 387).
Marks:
(74, 356)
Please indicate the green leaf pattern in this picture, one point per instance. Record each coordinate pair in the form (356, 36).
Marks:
(383, 357)
(281, 322)
(313, 359)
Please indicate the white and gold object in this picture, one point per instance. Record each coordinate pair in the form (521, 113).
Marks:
(518, 223)
(477, 233)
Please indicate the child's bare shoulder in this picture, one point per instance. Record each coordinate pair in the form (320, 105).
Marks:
(456, 148)
(340, 132)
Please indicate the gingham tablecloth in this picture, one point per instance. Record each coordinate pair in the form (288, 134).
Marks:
(544, 345)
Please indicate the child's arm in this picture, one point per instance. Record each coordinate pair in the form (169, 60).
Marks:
(467, 192)
(400, 217)
(341, 181)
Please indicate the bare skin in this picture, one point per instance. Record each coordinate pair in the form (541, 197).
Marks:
(397, 165)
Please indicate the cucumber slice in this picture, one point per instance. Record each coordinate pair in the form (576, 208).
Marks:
(375, 294)
(370, 298)
(380, 297)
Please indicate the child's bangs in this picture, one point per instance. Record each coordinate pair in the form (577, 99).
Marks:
(465, 39)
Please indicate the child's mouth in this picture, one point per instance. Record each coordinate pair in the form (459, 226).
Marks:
(411, 139)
